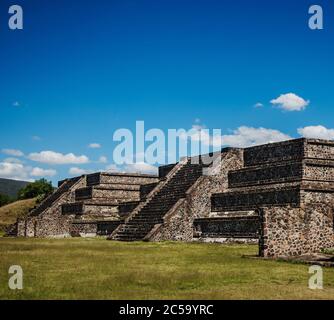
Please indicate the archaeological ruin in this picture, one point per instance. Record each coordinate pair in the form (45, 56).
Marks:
(280, 195)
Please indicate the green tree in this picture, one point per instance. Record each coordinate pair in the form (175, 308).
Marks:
(4, 199)
(39, 188)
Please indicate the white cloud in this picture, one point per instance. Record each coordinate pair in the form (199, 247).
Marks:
(248, 136)
(242, 137)
(78, 171)
(112, 168)
(198, 124)
(51, 157)
(13, 152)
(258, 105)
(16, 104)
(317, 132)
(290, 102)
(11, 169)
(13, 160)
(94, 146)
(103, 159)
(141, 167)
(15, 171)
(39, 172)
(202, 135)
(36, 138)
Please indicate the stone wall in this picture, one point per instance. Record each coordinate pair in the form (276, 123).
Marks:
(292, 150)
(54, 227)
(177, 225)
(81, 229)
(316, 197)
(319, 170)
(319, 149)
(102, 210)
(199, 197)
(26, 227)
(287, 231)
(277, 173)
(247, 227)
(93, 228)
(235, 201)
(72, 208)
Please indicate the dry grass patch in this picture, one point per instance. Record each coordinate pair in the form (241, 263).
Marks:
(12, 211)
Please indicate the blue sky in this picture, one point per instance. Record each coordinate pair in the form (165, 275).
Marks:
(80, 70)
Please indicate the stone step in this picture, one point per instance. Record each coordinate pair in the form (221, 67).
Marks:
(134, 232)
(128, 207)
(81, 208)
(128, 239)
(118, 186)
(146, 215)
(150, 216)
(145, 221)
(99, 193)
(120, 178)
(154, 211)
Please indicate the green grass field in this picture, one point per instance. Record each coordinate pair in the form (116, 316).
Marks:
(100, 269)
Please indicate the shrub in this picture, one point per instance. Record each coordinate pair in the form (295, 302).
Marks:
(4, 199)
(39, 188)
(40, 198)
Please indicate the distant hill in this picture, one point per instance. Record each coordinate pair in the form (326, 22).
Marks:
(12, 211)
(11, 187)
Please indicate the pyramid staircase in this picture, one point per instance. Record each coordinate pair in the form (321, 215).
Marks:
(162, 199)
(64, 186)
